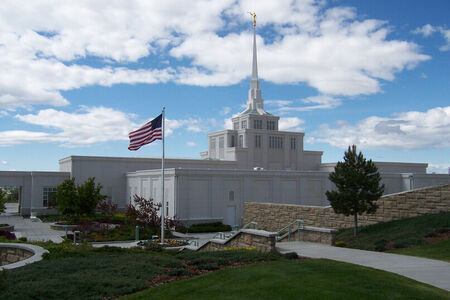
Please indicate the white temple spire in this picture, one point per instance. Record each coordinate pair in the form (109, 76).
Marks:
(255, 60)
(255, 104)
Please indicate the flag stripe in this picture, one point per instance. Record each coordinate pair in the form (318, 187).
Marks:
(147, 134)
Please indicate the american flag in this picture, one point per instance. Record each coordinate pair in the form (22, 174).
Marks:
(146, 134)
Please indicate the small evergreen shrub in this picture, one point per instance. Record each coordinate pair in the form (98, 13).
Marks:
(223, 262)
(209, 227)
(179, 272)
(380, 245)
(23, 239)
(207, 267)
(291, 255)
(340, 244)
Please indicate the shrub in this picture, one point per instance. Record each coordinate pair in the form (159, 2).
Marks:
(207, 267)
(23, 239)
(431, 234)
(209, 227)
(223, 262)
(8, 235)
(2, 200)
(78, 200)
(340, 244)
(291, 255)
(399, 244)
(380, 245)
(146, 213)
(179, 272)
(107, 208)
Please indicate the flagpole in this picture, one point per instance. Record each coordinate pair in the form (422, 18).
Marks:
(163, 207)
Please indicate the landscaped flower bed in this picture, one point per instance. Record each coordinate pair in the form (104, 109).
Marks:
(7, 227)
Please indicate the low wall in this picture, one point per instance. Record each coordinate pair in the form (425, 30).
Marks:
(261, 240)
(408, 204)
(15, 255)
(9, 255)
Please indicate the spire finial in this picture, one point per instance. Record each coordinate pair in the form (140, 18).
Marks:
(254, 18)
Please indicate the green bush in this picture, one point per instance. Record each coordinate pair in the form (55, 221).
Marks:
(340, 244)
(380, 245)
(209, 227)
(179, 272)
(78, 200)
(3, 199)
(291, 255)
(207, 267)
(223, 262)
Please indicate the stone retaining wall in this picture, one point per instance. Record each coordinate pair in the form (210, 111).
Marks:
(9, 255)
(413, 203)
(261, 240)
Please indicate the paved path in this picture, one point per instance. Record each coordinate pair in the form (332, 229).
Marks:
(33, 230)
(430, 271)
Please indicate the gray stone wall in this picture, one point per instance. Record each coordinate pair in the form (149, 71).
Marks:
(9, 255)
(413, 203)
(242, 240)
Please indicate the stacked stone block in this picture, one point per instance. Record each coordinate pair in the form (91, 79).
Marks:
(273, 217)
(244, 239)
(9, 255)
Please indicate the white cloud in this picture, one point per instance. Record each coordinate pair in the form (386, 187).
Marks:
(290, 124)
(405, 131)
(320, 102)
(427, 30)
(279, 103)
(87, 126)
(446, 34)
(439, 168)
(43, 47)
(3, 162)
(225, 110)
(191, 144)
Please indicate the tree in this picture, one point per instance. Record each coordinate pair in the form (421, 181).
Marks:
(66, 197)
(358, 186)
(78, 200)
(146, 212)
(89, 196)
(3, 200)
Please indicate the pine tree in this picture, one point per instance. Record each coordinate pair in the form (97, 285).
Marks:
(358, 186)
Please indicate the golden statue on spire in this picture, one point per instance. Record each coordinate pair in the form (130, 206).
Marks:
(254, 18)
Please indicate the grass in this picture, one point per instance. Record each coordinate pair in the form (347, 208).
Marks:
(397, 234)
(439, 250)
(83, 272)
(205, 227)
(301, 279)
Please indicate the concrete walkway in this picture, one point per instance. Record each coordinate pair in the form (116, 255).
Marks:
(430, 271)
(33, 230)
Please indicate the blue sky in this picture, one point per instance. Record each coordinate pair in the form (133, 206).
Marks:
(77, 76)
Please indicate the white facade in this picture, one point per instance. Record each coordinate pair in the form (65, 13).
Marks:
(253, 161)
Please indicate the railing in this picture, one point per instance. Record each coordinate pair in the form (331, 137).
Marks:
(224, 235)
(254, 224)
(294, 226)
(192, 243)
(227, 235)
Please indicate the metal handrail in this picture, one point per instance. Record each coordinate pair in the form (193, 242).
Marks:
(300, 225)
(227, 235)
(254, 224)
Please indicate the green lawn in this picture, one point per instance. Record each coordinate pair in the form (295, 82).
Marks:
(399, 234)
(83, 272)
(439, 250)
(301, 279)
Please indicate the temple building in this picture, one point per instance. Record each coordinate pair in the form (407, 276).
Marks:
(253, 161)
